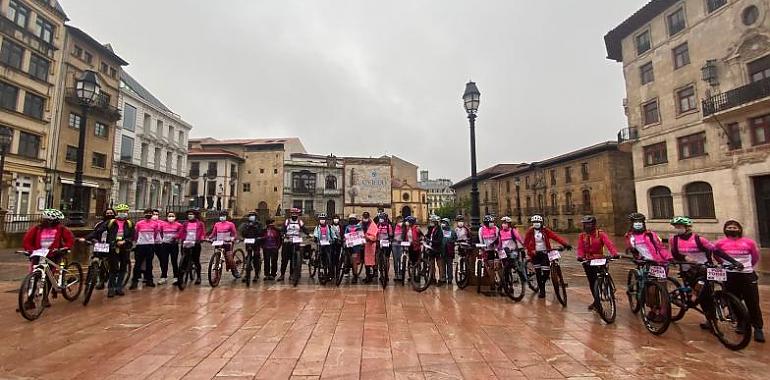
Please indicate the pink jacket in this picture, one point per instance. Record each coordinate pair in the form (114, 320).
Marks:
(649, 246)
(193, 230)
(169, 231)
(742, 249)
(146, 232)
(223, 228)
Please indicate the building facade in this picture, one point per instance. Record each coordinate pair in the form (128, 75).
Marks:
(367, 185)
(439, 191)
(409, 199)
(487, 189)
(150, 151)
(698, 105)
(313, 184)
(213, 178)
(81, 53)
(31, 47)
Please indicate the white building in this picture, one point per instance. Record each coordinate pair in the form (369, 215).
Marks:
(213, 178)
(440, 192)
(150, 150)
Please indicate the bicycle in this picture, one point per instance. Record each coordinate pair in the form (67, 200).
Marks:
(188, 271)
(557, 279)
(483, 250)
(651, 277)
(33, 293)
(98, 270)
(729, 316)
(513, 278)
(404, 264)
(251, 261)
(603, 290)
(461, 265)
(313, 257)
(383, 261)
(423, 271)
(217, 261)
(325, 269)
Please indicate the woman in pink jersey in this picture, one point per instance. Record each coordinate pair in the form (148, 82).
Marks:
(169, 247)
(743, 283)
(191, 234)
(146, 235)
(224, 230)
(644, 244)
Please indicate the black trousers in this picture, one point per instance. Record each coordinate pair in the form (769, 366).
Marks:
(165, 252)
(271, 261)
(591, 273)
(744, 286)
(118, 263)
(287, 251)
(542, 269)
(143, 255)
(194, 253)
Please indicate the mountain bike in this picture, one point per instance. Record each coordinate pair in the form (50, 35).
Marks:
(252, 260)
(46, 277)
(313, 257)
(188, 270)
(423, 271)
(604, 290)
(217, 261)
(557, 279)
(383, 261)
(480, 266)
(513, 278)
(295, 271)
(461, 265)
(647, 295)
(98, 270)
(404, 261)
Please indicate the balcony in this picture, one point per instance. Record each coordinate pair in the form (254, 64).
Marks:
(194, 174)
(211, 174)
(630, 134)
(743, 96)
(100, 107)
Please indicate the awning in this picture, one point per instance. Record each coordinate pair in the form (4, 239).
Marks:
(67, 181)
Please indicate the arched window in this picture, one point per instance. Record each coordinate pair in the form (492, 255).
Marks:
(661, 203)
(700, 200)
(331, 182)
(303, 182)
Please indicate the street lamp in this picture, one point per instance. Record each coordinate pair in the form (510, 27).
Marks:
(471, 99)
(87, 90)
(5, 143)
(517, 182)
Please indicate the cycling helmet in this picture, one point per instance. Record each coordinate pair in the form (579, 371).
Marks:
(536, 219)
(383, 215)
(636, 217)
(321, 215)
(506, 219)
(252, 212)
(489, 218)
(434, 218)
(681, 221)
(52, 214)
(588, 219)
(410, 219)
(122, 208)
(353, 216)
(445, 220)
(294, 211)
(459, 218)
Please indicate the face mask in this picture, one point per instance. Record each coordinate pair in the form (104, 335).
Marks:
(154, 217)
(680, 230)
(537, 225)
(336, 221)
(190, 217)
(731, 233)
(460, 224)
(491, 224)
(506, 225)
(637, 226)
(171, 218)
(252, 218)
(294, 217)
(406, 224)
(122, 215)
(222, 218)
(322, 221)
(444, 225)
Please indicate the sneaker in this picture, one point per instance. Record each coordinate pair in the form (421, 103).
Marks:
(149, 284)
(162, 281)
(176, 282)
(120, 292)
(279, 279)
(541, 295)
(134, 285)
(759, 336)
(46, 302)
(110, 293)
(591, 307)
(354, 280)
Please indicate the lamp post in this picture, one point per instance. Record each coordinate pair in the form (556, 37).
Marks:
(471, 99)
(87, 90)
(5, 143)
(517, 182)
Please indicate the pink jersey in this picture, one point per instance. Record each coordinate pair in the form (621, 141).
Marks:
(146, 232)
(487, 235)
(510, 238)
(649, 246)
(169, 231)
(689, 247)
(224, 231)
(192, 231)
(742, 249)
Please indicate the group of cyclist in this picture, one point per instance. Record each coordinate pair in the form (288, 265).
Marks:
(362, 238)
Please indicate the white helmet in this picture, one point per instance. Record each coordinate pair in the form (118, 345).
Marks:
(435, 218)
(536, 218)
(506, 219)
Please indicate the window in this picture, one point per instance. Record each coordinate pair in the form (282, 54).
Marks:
(211, 188)
(126, 148)
(101, 130)
(129, 117)
(29, 145)
(760, 130)
(554, 203)
(650, 112)
(405, 197)
(146, 124)
(71, 154)
(275, 189)
(195, 169)
(181, 138)
(261, 171)
(77, 51)
(275, 171)
(246, 187)
(692, 145)
(733, 136)
(759, 69)
(38, 67)
(507, 187)
(44, 29)
(179, 163)
(88, 57)
(655, 154)
(331, 182)
(568, 174)
(646, 73)
(750, 15)
(212, 169)
(308, 207)
(584, 171)
(681, 56)
(170, 133)
(104, 68)
(643, 42)
(676, 22)
(74, 120)
(8, 96)
(296, 204)
(526, 182)
(18, 13)
(156, 159)
(686, 99)
(553, 177)
(144, 152)
(586, 200)
(661, 202)
(99, 160)
(713, 5)
(700, 200)
(159, 128)
(193, 188)
(33, 105)
(11, 54)
(169, 161)
(113, 72)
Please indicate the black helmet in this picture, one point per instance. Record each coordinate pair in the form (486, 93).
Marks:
(252, 212)
(588, 219)
(321, 215)
(459, 218)
(489, 218)
(637, 217)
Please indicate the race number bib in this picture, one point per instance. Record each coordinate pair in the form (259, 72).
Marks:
(224, 236)
(716, 274)
(296, 239)
(188, 244)
(405, 244)
(501, 254)
(384, 243)
(481, 245)
(101, 248)
(554, 255)
(447, 234)
(657, 271)
(324, 242)
(42, 252)
(217, 243)
(249, 241)
(598, 262)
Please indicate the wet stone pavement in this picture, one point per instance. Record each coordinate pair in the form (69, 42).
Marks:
(275, 331)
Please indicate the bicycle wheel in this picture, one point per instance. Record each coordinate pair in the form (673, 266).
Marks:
(558, 284)
(32, 292)
(605, 293)
(91, 280)
(632, 290)
(215, 268)
(127, 277)
(360, 267)
(186, 272)
(655, 308)
(239, 257)
(404, 266)
(247, 272)
(257, 263)
(461, 272)
(323, 267)
(677, 297)
(513, 283)
(479, 274)
(532, 277)
(730, 321)
(296, 265)
(341, 267)
(73, 281)
(313, 263)
(422, 275)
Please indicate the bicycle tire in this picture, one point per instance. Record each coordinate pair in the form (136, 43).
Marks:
(247, 272)
(296, 264)
(422, 275)
(737, 318)
(605, 292)
(461, 272)
(127, 277)
(678, 299)
(632, 290)
(404, 266)
(239, 259)
(186, 272)
(360, 267)
(313, 263)
(532, 277)
(382, 266)
(73, 281)
(513, 283)
(341, 266)
(215, 268)
(31, 285)
(558, 284)
(91, 280)
(479, 275)
(257, 263)
(323, 268)
(658, 318)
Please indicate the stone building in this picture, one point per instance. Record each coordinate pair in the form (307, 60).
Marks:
(488, 191)
(31, 47)
(408, 197)
(439, 191)
(367, 185)
(82, 52)
(697, 77)
(150, 151)
(313, 184)
(213, 178)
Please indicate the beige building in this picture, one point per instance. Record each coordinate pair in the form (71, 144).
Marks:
(82, 53)
(367, 185)
(31, 47)
(698, 106)
(488, 189)
(313, 184)
(408, 197)
(439, 190)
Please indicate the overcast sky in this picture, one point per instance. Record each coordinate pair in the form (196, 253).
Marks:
(373, 77)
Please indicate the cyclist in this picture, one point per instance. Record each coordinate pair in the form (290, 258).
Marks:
(325, 235)
(169, 247)
(146, 235)
(591, 245)
(192, 233)
(461, 230)
(398, 233)
(252, 229)
(336, 247)
(645, 244)
(489, 235)
(370, 246)
(352, 230)
(224, 230)
(447, 253)
(384, 233)
(271, 242)
(50, 234)
(120, 236)
(293, 228)
(743, 283)
(99, 234)
(537, 241)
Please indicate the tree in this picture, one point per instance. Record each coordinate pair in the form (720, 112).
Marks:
(451, 210)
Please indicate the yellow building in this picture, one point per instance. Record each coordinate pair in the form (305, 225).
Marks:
(408, 197)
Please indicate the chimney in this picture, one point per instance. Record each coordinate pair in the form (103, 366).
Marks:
(423, 176)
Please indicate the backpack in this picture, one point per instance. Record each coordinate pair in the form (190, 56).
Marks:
(675, 245)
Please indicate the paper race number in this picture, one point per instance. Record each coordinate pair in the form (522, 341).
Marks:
(657, 271)
(716, 274)
(101, 247)
(554, 255)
